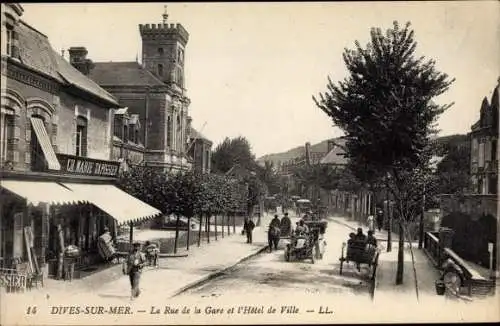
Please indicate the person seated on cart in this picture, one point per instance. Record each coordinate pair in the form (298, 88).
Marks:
(360, 236)
(352, 238)
(302, 228)
(371, 240)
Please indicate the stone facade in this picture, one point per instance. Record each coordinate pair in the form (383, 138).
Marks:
(484, 148)
(154, 90)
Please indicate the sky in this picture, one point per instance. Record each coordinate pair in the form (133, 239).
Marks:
(252, 68)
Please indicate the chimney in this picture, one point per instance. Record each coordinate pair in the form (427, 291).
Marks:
(331, 145)
(78, 59)
(308, 153)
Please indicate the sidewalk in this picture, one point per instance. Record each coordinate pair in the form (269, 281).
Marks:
(172, 277)
(353, 225)
(385, 285)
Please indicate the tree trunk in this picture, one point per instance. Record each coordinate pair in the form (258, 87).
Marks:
(208, 228)
(421, 224)
(222, 225)
(199, 229)
(234, 223)
(215, 226)
(228, 224)
(176, 234)
(401, 252)
(189, 234)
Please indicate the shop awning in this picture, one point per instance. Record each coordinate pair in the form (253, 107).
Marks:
(117, 203)
(36, 192)
(44, 141)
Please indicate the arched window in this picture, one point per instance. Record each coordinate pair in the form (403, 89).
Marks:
(81, 137)
(160, 70)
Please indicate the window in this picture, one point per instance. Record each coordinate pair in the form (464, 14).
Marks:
(10, 40)
(136, 138)
(160, 70)
(493, 183)
(81, 137)
(160, 51)
(494, 150)
(207, 160)
(125, 132)
(6, 137)
(169, 131)
(37, 155)
(481, 155)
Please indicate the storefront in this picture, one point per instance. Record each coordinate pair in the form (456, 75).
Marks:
(44, 212)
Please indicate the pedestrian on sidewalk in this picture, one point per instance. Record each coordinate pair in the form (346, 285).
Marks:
(248, 227)
(370, 220)
(135, 263)
(380, 219)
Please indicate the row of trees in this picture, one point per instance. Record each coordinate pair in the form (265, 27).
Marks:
(386, 109)
(187, 194)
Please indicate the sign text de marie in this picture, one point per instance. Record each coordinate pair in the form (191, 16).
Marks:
(79, 165)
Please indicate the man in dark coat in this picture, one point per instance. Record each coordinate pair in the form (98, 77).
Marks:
(273, 234)
(248, 228)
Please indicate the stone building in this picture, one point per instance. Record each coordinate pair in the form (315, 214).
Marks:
(57, 186)
(484, 147)
(200, 151)
(154, 91)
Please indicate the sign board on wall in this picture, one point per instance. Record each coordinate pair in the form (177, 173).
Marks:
(86, 166)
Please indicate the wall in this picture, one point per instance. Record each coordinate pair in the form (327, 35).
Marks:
(474, 220)
(24, 99)
(474, 205)
(98, 127)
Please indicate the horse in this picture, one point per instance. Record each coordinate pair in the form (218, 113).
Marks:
(273, 236)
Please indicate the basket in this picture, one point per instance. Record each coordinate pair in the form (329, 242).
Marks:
(440, 287)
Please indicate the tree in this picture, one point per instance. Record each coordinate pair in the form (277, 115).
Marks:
(385, 108)
(231, 152)
(453, 171)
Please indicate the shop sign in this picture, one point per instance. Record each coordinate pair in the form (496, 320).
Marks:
(86, 166)
(11, 279)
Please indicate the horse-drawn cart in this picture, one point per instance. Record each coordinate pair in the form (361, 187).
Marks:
(360, 253)
(301, 247)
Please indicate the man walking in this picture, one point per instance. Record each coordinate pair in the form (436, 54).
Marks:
(248, 228)
(273, 234)
(135, 263)
(380, 219)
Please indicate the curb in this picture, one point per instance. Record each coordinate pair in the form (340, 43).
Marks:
(218, 273)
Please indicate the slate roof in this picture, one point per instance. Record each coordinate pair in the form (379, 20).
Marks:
(335, 156)
(36, 53)
(123, 74)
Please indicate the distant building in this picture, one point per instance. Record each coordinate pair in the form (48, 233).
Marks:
(484, 147)
(200, 150)
(154, 93)
(335, 155)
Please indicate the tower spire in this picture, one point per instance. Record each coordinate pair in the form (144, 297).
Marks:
(165, 14)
